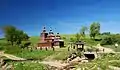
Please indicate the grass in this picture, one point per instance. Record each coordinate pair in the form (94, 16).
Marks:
(62, 54)
(103, 62)
(39, 54)
(28, 65)
(113, 47)
(90, 42)
(115, 63)
(58, 54)
(35, 54)
(34, 39)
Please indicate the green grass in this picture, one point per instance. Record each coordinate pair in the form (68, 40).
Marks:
(27, 54)
(113, 47)
(34, 39)
(103, 62)
(58, 54)
(115, 63)
(90, 42)
(40, 54)
(62, 54)
(35, 54)
(28, 65)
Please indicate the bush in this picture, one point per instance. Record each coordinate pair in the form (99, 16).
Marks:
(110, 39)
(25, 44)
(107, 40)
(116, 38)
(1, 48)
(90, 42)
(12, 49)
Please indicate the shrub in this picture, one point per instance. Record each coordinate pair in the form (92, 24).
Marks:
(110, 39)
(90, 42)
(107, 40)
(25, 44)
(12, 49)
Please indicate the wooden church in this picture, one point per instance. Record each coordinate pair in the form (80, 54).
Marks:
(50, 40)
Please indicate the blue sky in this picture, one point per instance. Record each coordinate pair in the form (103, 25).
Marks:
(64, 16)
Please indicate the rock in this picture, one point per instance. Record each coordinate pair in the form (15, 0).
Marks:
(84, 61)
(68, 60)
(78, 69)
(77, 59)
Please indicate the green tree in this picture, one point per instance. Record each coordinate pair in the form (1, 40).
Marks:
(19, 36)
(83, 31)
(77, 37)
(107, 40)
(25, 37)
(72, 39)
(94, 29)
(14, 36)
(105, 33)
(10, 33)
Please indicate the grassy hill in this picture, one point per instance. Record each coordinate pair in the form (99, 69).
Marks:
(34, 39)
(53, 55)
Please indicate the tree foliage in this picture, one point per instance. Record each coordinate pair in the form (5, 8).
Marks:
(105, 33)
(110, 39)
(14, 36)
(94, 29)
(77, 37)
(72, 39)
(83, 30)
(107, 40)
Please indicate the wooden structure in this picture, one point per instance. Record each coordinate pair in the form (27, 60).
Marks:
(49, 40)
(80, 45)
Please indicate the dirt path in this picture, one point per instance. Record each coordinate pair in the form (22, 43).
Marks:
(106, 50)
(12, 57)
(9, 56)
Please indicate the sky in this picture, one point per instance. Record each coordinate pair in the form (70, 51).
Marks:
(63, 16)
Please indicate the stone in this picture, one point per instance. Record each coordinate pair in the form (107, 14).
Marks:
(77, 59)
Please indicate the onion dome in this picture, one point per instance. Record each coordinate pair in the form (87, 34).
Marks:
(44, 29)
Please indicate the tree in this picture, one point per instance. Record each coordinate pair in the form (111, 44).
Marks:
(10, 33)
(83, 30)
(14, 36)
(72, 40)
(25, 37)
(77, 36)
(106, 33)
(107, 40)
(19, 36)
(94, 29)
